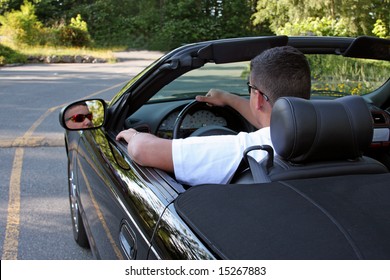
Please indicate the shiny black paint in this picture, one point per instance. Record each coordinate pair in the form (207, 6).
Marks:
(114, 191)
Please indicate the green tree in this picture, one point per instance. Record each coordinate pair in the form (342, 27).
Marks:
(22, 27)
(9, 5)
(188, 21)
(110, 22)
(49, 12)
(325, 26)
(164, 24)
(359, 16)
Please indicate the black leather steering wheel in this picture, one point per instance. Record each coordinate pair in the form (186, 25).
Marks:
(203, 131)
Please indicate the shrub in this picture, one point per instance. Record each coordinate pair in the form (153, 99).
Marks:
(70, 36)
(74, 34)
(8, 56)
(22, 27)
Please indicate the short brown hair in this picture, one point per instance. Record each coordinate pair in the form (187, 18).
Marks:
(281, 71)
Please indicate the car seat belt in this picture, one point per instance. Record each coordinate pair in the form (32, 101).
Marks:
(260, 169)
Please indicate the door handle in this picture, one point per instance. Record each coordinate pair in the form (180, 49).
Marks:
(127, 241)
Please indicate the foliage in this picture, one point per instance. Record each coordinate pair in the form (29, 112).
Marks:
(9, 5)
(176, 25)
(190, 21)
(358, 16)
(380, 29)
(325, 26)
(78, 23)
(157, 24)
(22, 27)
(109, 22)
(165, 24)
(48, 11)
(73, 35)
(9, 56)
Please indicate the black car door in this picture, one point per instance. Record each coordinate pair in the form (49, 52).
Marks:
(121, 208)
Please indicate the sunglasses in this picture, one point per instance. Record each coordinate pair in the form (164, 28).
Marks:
(80, 117)
(250, 87)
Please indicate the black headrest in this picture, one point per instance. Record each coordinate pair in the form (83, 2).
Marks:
(313, 130)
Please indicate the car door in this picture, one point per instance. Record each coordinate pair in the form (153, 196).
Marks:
(121, 208)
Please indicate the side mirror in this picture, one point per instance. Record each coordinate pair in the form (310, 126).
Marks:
(83, 115)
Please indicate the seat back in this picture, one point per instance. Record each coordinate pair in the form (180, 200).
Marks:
(316, 130)
(318, 138)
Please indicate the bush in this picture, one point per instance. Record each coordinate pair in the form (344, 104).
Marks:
(70, 36)
(9, 56)
(22, 27)
(74, 34)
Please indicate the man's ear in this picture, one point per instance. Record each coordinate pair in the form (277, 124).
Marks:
(259, 101)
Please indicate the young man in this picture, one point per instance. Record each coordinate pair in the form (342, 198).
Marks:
(277, 72)
(78, 116)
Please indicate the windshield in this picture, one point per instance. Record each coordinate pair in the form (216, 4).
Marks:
(331, 76)
(231, 77)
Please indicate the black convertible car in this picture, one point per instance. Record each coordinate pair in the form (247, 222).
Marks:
(323, 193)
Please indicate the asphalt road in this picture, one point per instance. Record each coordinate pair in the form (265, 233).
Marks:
(34, 209)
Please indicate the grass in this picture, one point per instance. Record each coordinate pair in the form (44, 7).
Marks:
(48, 51)
(11, 54)
(343, 75)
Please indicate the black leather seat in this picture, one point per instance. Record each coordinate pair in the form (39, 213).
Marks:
(316, 138)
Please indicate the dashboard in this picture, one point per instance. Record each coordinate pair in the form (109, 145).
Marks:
(160, 118)
(190, 123)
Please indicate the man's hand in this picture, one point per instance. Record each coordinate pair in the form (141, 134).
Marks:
(215, 97)
(126, 134)
(218, 97)
(147, 149)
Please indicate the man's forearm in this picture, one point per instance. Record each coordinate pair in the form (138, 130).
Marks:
(148, 150)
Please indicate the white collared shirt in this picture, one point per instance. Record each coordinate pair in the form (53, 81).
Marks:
(214, 159)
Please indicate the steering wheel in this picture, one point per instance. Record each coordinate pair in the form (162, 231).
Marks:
(203, 131)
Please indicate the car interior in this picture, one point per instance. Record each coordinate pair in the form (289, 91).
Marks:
(321, 194)
(359, 144)
(318, 197)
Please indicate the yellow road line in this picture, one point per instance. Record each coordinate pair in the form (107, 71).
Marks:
(38, 122)
(56, 140)
(11, 241)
